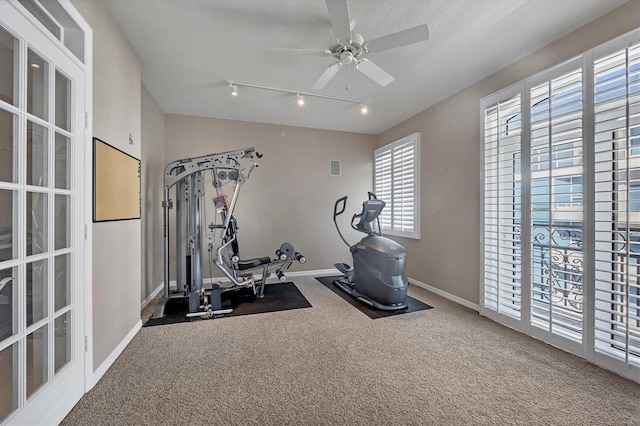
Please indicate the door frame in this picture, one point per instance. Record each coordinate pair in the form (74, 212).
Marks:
(89, 378)
(81, 213)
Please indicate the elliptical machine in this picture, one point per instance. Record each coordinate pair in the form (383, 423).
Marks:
(378, 277)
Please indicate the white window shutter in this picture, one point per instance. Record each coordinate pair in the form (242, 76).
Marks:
(617, 217)
(396, 181)
(502, 263)
(556, 206)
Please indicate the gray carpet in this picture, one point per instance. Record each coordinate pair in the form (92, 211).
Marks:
(332, 365)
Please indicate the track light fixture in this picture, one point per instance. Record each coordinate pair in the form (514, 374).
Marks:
(300, 96)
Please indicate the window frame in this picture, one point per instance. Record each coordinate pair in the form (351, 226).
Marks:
(411, 138)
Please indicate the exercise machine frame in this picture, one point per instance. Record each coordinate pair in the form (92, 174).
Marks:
(188, 177)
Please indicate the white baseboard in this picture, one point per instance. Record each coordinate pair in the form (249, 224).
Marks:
(151, 296)
(453, 298)
(102, 369)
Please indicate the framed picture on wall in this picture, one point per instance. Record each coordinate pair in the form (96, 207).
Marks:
(116, 184)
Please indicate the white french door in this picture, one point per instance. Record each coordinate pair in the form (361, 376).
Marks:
(41, 223)
(561, 206)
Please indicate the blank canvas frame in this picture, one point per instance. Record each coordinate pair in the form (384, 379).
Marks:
(116, 184)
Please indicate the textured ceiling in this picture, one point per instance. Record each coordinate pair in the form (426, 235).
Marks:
(188, 48)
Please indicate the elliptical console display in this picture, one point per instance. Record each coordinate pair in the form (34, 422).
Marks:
(378, 275)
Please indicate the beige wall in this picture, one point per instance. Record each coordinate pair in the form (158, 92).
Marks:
(116, 245)
(290, 196)
(152, 170)
(447, 255)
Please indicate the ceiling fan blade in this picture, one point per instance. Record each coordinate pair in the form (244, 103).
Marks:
(374, 72)
(340, 21)
(300, 52)
(326, 76)
(401, 38)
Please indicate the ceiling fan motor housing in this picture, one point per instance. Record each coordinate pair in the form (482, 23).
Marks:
(349, 52)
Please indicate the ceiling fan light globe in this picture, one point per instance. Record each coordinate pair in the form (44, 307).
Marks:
(346, 57)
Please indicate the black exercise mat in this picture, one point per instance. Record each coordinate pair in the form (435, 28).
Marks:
(413, 305)
(277, 297)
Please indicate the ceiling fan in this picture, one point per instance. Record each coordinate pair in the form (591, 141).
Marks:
(350, 47)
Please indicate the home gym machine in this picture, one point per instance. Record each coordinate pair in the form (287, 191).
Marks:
(377, 277)
(188, 177)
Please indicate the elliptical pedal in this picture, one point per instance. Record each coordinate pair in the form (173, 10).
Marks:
(343, 267)
(365, 301)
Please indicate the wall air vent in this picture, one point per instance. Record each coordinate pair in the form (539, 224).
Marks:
(335, 167)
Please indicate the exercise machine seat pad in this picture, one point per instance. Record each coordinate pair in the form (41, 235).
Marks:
(253, 263)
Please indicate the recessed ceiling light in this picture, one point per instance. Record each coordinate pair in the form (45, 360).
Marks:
(300, 99)
(363, 108)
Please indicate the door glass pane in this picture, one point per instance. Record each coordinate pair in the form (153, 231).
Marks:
(62, 161)
(8, 323)
(8, 151)
(36, 223)
(37, 86)
(36, 359)
(61, 228)
(62, 341)
(8, 83)
(42, 17)
(36, 291)
(63, 96)
(62, 281)
(8, 206)
(36, 154)
(8, 382)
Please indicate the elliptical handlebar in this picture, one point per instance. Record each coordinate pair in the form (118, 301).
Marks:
(337, 213)
(371, 210)
(372, 196)
(335, 207)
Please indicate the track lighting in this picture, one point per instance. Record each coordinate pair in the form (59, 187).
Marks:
(300, 96)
